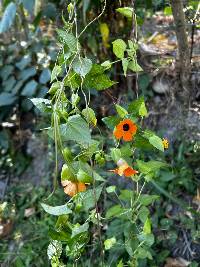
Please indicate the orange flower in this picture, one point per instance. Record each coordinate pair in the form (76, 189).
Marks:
(72, 188)
(125, 129)
(124, 169)
(165, 143)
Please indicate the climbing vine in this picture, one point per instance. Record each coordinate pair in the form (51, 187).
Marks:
(86, 223)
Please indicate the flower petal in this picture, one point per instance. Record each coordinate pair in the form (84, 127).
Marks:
(81, 187)
(118, 133)
(129, 172)
(71, 189)
(127, 136)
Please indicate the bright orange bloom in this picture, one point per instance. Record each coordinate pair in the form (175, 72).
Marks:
(124, 169)
(165, 143)
(72, 188)
(126, 129)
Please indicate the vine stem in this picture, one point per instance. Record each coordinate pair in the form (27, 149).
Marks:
(134, 37)
(104, 7)
(98, 219)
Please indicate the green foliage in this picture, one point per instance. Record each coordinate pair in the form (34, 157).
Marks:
(126, 11)
(105, 216)
(57, 211)
(76, 129)
(119, 47)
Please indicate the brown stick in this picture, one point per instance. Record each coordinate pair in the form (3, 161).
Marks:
(184, 66)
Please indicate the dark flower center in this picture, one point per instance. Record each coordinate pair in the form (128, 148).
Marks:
(126, 127)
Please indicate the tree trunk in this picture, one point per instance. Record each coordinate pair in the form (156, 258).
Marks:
(183, 65)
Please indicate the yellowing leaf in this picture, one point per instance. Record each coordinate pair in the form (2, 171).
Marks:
(105, 34)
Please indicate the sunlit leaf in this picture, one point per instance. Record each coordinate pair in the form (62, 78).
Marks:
(55, 72)
(82, 66)
(76, 129)
(79, 229)
(54, 249)
(126, 11)
(57, 211)
(119, 47)
(109, 243)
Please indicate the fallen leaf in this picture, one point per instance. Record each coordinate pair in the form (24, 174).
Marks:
(28, 212)
(176, 262)
(6, 227)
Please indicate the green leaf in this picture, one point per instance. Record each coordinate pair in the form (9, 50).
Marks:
(143, 214)
(122, 112)
(126, 195)
(114, 211)
(8, 17)
(147, 199)
(125, 63)
(156, 142)
(89, 150)
(69, 39)
(73, 80)
(61, 235)
(84, 177)
(147, 239)
(97, 79)
(142, 110)
(126, 11)
(116, 154)
(111, 121)
(7, 99)
(147, 226)
(54, 87)
(143, 253)
(109, 243)
(138, 107)
(110, 189)
(79, 229)
(44, 105)
(29, 89)
(57, 211)
(67, 173)
(88, 199)
(75, 98)
(76, 129)
(54, 249)
(150, 167)
(89, 170)
(89, 115)
(82, 66)
(168, 11)
(55, 72)
(106, 64)
(119, 47)
(120, 264)
(134, 66)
